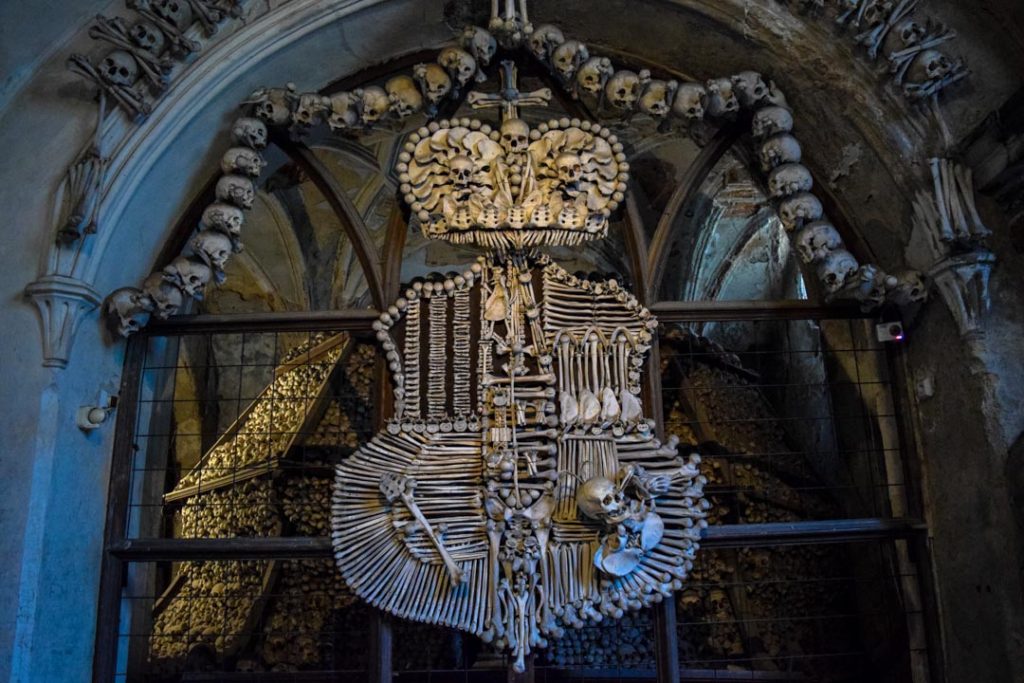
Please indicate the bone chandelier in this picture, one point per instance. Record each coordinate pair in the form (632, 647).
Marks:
(519, 489)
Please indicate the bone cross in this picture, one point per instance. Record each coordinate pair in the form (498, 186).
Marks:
(509, 98)
(394, 486)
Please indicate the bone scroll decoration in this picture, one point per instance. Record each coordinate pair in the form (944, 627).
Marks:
(519, 488)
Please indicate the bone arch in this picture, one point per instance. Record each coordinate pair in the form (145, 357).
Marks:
(720, 99)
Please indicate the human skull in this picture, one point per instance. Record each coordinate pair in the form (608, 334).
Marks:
(250, 132)
(877, 12)
(214, 248)
(788, 179)
(722, 97)
(190, 275)
(515, 136)
(177, 12)
(242, 160)
(593, 75)
(119, 68)
(373, 104)
(816, 240)
(149, 37)
(482, 45)
(570, 169)
(131, 307)
(435, 84)
(167, 298)
(656, 100)
(911, 33)
(600, 499)
(779, 149)
(344, 111)
(310, 109)
(868, 285)
(799, 209)
(567, 57)
(223, 218)
(835, 269)
(623, 89)
(460, 172)
(908, 289)
(718, 602)
(544, 40)
(460, 65)
(749, 87)
(404, 98)
(690, 101)
(274, 105)
(931, 65)
(237, 190)
(770, 121)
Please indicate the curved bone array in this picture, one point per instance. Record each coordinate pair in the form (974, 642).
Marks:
(549, 502)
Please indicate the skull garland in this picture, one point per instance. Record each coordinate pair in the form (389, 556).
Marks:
(250, 132)
(657, 96)
(593, 75)
(225, 219)
(237, 190)
(344, 111)
(779, 149)
(310, 110)
(909, 288)
(274, 105)
(374, 104)
(119, 68)
(799, 209)
(690, 102)
(132, 308)
(722, 99)
(771, 121)
(835, 269)
(817, 240)
(623, 88)
(868, 285)
(482, 45)
(788, 179)
(149, 37)
(567, 58)
(544, 40)
(460, 65)
(167, 298)
(242, 160)
(750, 88)
(214, 248)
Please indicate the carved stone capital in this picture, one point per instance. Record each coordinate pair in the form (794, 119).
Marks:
(962, 280)
(62, 302)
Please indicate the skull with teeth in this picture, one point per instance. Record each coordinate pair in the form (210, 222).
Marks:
(835, 269)
(816, 240)
(237, 190)
(404, 97)
(722, 99)
(460, 172)
(567, 57)
(250, 132)
(656, 100)
(167, 298)
(544, 40)
(515, 136)
(242, 160)
(482, 45)
(311, 108)
(623, 89)
(434, 82)
(788, 179)
(214, 248)
(460, 65)
(119, 68)
(190, 275)
(593, 75)
(373, 104)
(770, 121)
(131, 308)
(223, 218)
(570, 170)
(274, 105)
(601, 500)
(146, 35)
(801, 208)
(177, 12)
(690, 101)
(908, 289)
(749, 87)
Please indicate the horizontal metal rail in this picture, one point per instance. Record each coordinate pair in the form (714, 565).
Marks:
(306, 547)
(353, 320)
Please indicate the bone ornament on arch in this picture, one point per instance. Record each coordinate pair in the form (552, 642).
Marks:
(429, 184)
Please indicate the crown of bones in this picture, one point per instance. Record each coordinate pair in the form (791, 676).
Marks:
(555, 184)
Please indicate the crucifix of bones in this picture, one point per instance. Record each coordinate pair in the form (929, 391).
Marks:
(519, 488)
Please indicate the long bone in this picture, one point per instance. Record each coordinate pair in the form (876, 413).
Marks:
(395, 486)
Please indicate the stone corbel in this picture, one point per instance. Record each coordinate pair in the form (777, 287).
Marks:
(947, 243)
(62, 302)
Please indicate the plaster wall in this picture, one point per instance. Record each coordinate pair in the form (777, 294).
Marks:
(54, 477)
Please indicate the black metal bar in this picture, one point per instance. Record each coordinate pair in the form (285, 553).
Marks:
(351, 320)
(703, 311)
(112, 568)
(305, 547)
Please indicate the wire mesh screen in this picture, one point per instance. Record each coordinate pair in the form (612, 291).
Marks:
(237, 435)
(794, 418)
